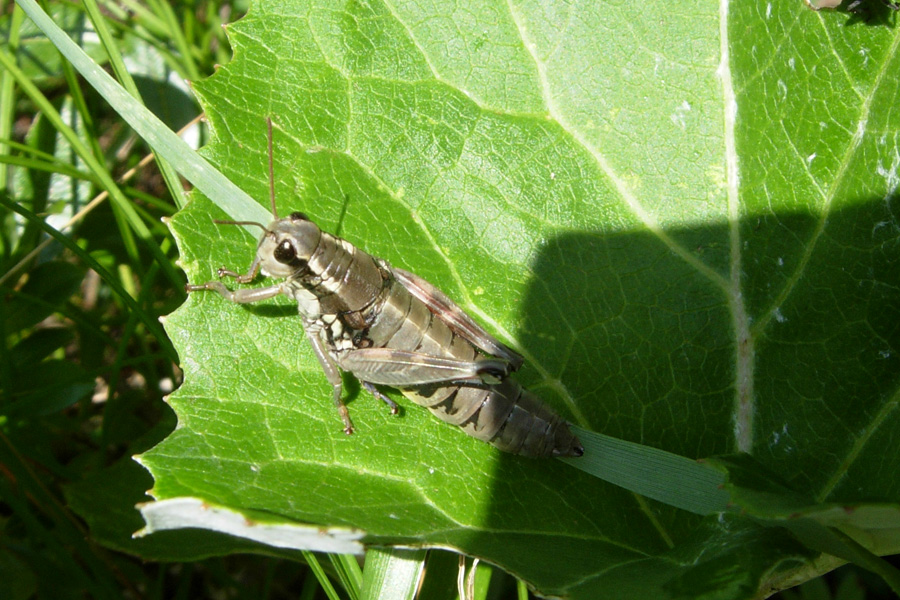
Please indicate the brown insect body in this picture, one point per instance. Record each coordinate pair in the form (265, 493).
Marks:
(387, 326)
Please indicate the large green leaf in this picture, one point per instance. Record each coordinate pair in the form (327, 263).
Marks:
(684, 218)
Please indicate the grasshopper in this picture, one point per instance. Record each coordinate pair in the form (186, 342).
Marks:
(387, 326)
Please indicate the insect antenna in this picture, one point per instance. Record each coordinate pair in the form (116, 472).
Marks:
(271, 169)
(271, 188)
(226, 222)
(340, 221)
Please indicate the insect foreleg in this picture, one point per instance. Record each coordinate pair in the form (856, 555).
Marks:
(456, 318)
(247, 277)
(332, 374)
(242, 296)
(386, 366)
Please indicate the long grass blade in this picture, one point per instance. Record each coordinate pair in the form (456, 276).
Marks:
(348, 572)
(99, 170)
(657, 474)
(230, 198)
(320, 574)
(118, 64)
(7, 105)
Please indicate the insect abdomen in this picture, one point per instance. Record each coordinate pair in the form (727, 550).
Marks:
(503, 414)
(509, 417)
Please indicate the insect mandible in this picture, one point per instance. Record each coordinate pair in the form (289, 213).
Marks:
(389, 327)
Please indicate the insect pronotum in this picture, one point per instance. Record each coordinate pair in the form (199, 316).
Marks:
(389, 327)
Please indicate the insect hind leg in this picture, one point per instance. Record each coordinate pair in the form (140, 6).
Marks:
(370, 387)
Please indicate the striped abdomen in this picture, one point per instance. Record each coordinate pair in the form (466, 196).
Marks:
(503, 414)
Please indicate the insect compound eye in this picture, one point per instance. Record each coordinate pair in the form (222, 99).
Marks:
(299, 216)
(285, 253)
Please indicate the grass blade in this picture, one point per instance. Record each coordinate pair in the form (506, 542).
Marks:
(322, 578)
(662, 476)
(233, 201)
(115, 58)
(149, 320)
(348, 572)
(392, 573)
(98, 169)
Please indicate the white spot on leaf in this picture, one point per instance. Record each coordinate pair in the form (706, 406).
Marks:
(890, 174)
(680, 111)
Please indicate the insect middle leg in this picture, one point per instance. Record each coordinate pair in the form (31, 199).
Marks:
(332, 374)
(370, 387)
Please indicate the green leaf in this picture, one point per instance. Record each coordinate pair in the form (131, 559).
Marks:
(106, 501)
(683, 215)
(38, 345)
(47, 387)
(767, 497)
